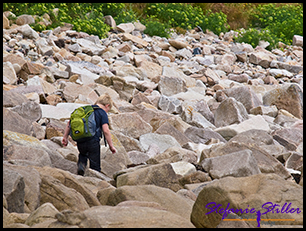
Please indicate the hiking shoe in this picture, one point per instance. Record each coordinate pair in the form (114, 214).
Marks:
(81, 169)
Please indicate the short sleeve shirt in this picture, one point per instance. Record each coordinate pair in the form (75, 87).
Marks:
(101, 118)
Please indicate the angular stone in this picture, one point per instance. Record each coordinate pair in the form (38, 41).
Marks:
(288, 97)
(29, 110)
(9, 72)
(170, 104)
(297, 40)
(13, 190)
(135, 217)
(28, 32)
(163, 141)
(202, 135)
(290, 138)
(125, 27)
(194, 118)
(109, 20)
(16, 123)
(230, 111)
(151, 69)
(245, 95)
(62, 197)
(130, 124)
(260, 58)
(161, 175)
(25, 19)
(236, 164)
(167, 128)
(45, 212)
(177, 44)
(135, 39)
(242, 193)
(169, 86)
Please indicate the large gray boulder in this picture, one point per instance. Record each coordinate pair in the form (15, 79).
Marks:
(247, 193)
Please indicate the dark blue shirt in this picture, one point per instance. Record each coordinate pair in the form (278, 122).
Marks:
(101, 118)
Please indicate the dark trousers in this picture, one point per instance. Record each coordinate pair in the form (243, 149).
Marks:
(90, 150)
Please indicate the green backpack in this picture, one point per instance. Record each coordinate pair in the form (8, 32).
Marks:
(83, 123)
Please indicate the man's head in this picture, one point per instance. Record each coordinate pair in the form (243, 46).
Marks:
(106, 101)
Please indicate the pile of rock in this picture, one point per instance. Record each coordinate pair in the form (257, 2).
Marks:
(190, 111)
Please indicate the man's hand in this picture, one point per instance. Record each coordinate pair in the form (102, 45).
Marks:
(113, 149)
(65, 141)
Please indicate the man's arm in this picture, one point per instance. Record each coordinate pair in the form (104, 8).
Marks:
(66, 134)
(108, 137)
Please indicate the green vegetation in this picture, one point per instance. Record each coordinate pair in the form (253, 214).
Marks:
(276, 22)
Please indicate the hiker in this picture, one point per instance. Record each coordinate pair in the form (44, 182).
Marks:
(90, 149)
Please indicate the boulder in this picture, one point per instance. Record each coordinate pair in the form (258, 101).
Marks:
(26, 155)
(109, 20)
(174, 71)
(169, 86)
(16, 123)
(134, 39)
(168, 128)
(246, 193)
(67, 179)
(165, 197)
(89, 47)
(9, 72)
(230, 111)
(194, 118)
(266, 162)
(245, 95)
(183, 168)
(113, 162)
(43, 213)
(175, 154)
(290, 138)
(288, 97)
(25, 19)
(170, 104)
(151, 69)
(31, 185)
(237, 164)
(29, 110)
(12, 99)
(297, 40)
(135, 217)
(61, 196)
(254, 122)
(28, 32)
(53, 112)
(202, 135)
(13, 190)
(261, 58)
(6, 22)
(125, 27)
(129, 124)
(177, 44)
(163, 141)
(161, 175)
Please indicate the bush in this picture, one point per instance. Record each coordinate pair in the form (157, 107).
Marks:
(155, 27)
(186, 16)
(86, 17)
(253, 36)
(281, 22)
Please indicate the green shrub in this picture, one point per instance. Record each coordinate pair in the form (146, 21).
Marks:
(155, 27)
(253, 36)
(282, 22)
(187, 16)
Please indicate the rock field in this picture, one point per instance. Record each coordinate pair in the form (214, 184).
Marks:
(197, 119)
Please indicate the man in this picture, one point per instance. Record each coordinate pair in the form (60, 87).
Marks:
(91, 149)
